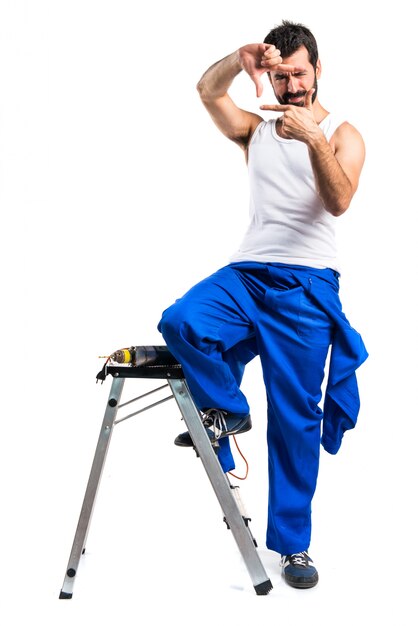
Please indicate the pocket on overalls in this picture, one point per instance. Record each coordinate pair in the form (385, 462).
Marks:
(314, 325)
(286, 303)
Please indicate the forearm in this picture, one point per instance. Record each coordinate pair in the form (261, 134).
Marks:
(216, 81)
(333, 185)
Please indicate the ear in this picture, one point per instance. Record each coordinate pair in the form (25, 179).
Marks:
(318, 70)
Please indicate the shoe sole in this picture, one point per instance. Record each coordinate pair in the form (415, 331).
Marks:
(301, 584)
(245, 428)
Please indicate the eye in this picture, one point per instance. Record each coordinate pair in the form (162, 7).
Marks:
(279, 77)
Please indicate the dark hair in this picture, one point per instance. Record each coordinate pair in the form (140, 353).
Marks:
(289, 37)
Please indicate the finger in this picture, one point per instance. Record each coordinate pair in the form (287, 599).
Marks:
(283, 68)
(270, 50)
(275, 107)
(272, 61)
(271, 56)
(308, 98)
(258, 85)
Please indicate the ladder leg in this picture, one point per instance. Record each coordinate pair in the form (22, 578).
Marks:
(221, 486)
(92, 487)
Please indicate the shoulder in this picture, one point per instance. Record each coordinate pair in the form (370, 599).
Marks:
(346, 135)
(261, 126)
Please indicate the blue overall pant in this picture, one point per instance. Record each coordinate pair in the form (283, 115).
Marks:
(249, 309)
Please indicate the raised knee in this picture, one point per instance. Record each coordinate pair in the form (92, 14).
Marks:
(170, 323)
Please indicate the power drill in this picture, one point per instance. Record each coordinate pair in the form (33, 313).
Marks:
(144, 355)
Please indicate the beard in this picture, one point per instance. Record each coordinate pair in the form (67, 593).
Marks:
(288, 96)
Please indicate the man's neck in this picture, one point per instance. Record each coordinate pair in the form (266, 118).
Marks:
(319, 112)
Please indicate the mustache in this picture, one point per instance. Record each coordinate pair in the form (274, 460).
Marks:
(286, 96)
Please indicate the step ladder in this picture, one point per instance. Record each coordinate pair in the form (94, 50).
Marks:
(156, 362)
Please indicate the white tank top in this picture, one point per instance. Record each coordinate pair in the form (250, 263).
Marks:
(288, 221)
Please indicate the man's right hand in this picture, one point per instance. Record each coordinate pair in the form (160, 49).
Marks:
(258, 58)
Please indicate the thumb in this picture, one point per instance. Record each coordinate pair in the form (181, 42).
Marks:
(258, 84)
(308, 98)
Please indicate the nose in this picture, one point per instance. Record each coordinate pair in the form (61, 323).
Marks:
(292, 84)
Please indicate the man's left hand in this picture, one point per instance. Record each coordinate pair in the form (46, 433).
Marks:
(297, 122)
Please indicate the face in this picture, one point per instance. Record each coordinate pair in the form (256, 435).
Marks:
(292, 88)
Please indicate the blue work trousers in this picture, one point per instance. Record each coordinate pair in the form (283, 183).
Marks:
(249, 309)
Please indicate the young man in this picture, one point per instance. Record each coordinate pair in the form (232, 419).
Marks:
(278, 297)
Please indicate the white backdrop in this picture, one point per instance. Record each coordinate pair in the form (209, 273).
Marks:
(117, 193)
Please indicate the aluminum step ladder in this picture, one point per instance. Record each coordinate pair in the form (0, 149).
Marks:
(156, 362)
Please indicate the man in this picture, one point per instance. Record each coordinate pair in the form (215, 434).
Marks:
(278, 297)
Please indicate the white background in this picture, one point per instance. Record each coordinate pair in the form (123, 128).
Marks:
(117, 193)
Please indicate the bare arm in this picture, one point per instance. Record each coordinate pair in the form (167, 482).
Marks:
(337, 167)
(337, 164)
(234, 122)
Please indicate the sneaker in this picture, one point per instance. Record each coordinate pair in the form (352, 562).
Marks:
(299, 570)
(218, 424)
